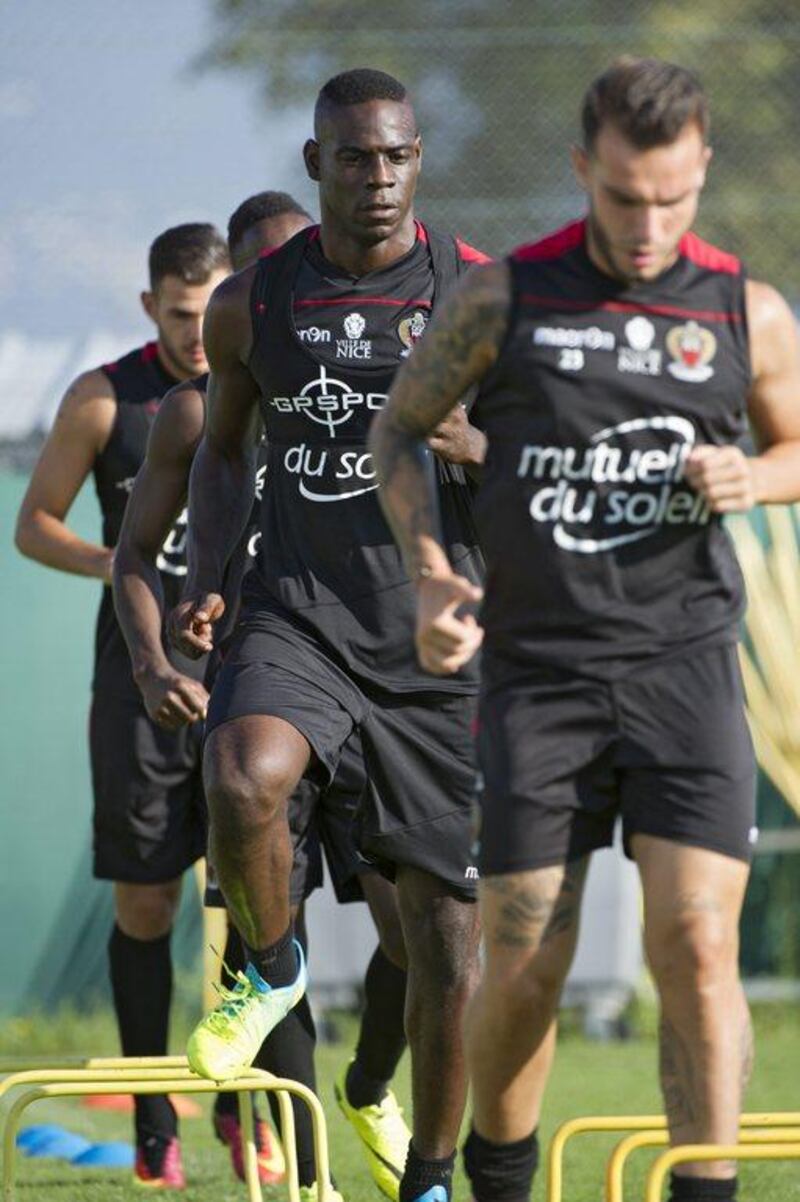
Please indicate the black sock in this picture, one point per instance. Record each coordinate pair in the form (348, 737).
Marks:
(501, 1172)
(141, 984)
(702, 1189)
(421, 1175)
(276, 964)
(382, 1038)
(288, 1051)
(233, 962)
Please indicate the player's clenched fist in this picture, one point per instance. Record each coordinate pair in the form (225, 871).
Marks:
(191, 623)
(171, 699)
(724, 476)
(445, 638)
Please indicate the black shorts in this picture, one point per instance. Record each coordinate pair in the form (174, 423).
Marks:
(334, 814)
(149, 808)
(418, 748)
(667, 748)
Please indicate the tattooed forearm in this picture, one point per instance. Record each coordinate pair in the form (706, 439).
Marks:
(677, 1079)
(457, 351)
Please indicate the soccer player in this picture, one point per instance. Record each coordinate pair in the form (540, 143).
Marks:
(313, 336)
(261, 224)
(149, 822)
(618, 361)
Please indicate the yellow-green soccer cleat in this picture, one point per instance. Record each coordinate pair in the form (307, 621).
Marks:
(225, 1043)
(310, 1193)
(384, 1134)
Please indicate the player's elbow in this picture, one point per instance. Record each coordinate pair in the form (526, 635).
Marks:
(25, 533)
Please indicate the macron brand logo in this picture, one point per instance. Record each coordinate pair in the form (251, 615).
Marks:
(471, 873)
(620, 488)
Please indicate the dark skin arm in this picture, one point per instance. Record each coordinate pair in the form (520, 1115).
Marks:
(223, 474)
(458, 350)
(158, 496)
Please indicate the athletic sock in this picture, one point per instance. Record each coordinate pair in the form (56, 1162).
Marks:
(288, 1051)
(421, 1175)
(382, 1038)
(276, 964)
(501, 1172)
(141, 984)
(702, 1189)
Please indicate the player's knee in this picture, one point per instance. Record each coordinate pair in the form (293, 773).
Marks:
(245, 796)
(146, 911)
(442, 942)
(696, 950)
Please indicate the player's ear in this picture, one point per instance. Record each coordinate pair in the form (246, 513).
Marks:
(148, 300)
(708, 154)
(311, 158)
(580, 165)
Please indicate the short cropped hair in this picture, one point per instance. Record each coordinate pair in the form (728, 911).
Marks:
(259, 208)
(648, 100)
(192, 252)
(357, 87)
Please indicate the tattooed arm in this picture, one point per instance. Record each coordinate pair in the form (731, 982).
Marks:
(457, 352)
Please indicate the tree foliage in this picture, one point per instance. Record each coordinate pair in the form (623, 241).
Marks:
(498, 87)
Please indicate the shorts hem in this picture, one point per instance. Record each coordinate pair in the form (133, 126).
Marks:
(744, 856)
(141, 876)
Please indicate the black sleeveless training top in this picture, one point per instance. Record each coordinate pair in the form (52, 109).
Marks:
(325, 350)
(139, 382)
(599, 555)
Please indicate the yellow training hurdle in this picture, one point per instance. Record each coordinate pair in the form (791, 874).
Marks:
(31, 1080)
(615, 1166)
(649, 1125)
(668, 1160)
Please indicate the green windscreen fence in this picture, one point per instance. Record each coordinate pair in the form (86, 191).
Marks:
(54, 918)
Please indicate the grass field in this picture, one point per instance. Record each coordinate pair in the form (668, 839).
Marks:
(589, 1078)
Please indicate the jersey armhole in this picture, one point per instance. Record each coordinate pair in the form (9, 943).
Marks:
(114, 425)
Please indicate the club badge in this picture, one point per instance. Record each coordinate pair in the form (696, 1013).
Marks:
(411, 329)
(692, 348)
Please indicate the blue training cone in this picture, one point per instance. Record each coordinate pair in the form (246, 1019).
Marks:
(31, 1135)
(105, 1156)
(57, 1143)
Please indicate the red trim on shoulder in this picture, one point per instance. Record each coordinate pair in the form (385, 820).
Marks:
(422, 233)
(469, 254)
(703, 254)
(554, 245)
(313, 233)
(267, 251)
(149, 352)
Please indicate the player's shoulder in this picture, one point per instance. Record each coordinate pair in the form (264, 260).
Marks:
(551, 246)
(88, 409)
(180, 420)
(465, 253)
(709, 257)
(233, 291)
(470, 254)
(768, 311)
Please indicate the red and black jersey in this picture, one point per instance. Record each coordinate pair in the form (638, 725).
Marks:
(139, 382)
(599, 554)
(326, 347)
